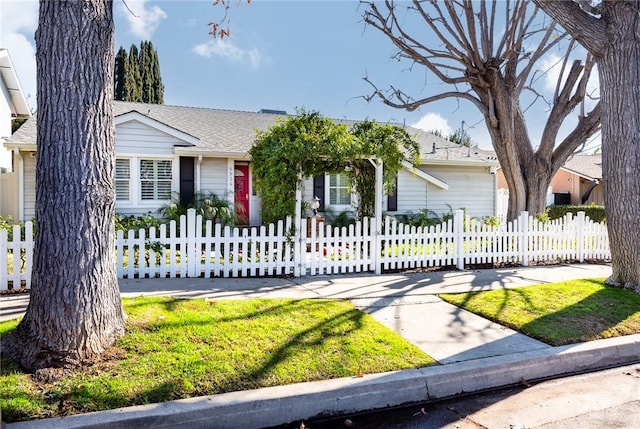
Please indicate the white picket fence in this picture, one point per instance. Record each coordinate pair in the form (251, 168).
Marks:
(196, 249)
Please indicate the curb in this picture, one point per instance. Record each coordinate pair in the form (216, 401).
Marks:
(285, 404)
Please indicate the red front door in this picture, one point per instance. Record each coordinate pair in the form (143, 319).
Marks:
(241, 193)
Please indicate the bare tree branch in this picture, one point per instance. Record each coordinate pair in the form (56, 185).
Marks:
(583, 26)
(587, 127)
(492, 53)
(408, 103)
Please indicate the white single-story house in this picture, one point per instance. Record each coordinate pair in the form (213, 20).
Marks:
(163, 149)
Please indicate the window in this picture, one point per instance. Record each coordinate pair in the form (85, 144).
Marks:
(123, 179)
(339, 190)
(155, 179)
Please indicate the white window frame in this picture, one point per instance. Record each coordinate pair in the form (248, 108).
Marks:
(328, 189)
(154, 180)
(135, 183)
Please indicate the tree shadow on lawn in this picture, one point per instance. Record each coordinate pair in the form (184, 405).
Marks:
(299, 341)
(312, 338)
(498, 316)
(609, 312)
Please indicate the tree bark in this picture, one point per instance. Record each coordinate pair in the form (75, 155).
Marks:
(75, 312)
(619, 70)
(613, 39)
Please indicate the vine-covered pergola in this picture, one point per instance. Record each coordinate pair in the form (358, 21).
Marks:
(308, 144)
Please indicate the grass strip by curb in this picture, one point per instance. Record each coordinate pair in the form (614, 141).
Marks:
(558, 313)
(183, 348)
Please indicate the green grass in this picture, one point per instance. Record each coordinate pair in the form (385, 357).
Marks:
(559, 313)
(182, 348)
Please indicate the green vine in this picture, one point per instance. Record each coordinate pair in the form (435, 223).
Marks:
(309, 144)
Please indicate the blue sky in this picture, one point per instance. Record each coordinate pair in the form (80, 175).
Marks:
(281, 55)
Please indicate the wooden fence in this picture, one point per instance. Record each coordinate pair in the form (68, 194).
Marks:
(193, 248)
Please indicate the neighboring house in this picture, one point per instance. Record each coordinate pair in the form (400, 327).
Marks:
(13, 104)
(577, 182)
(163, 149)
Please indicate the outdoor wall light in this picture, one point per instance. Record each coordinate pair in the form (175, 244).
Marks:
(315, 205)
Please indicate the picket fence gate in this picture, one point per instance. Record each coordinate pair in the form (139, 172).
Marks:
(193, 248)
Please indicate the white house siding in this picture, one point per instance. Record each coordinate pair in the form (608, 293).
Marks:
(213, 176)
(307, 190)
(412, 192)
(29, 165)
(136, 138)
(470, 187)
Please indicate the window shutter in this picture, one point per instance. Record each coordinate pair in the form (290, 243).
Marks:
(392, 198)
(187, 174)
(122, 179)
(318, 190)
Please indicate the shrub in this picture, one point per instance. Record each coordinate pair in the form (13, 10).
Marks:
(595, 213)
(490, 220)
(207, 204)
(425, 217)
(344, 218)
(7, 224)
(127, 223)
(543, 217)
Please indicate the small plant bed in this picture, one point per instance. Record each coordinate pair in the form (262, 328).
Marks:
(184, 348)
(558, 313)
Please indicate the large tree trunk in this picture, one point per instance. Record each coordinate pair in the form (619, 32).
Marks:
(527, 184)
(619, 69)
(75, 312)
(527, 173)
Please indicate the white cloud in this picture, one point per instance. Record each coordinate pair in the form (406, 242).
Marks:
(551, 66)
(143, 20)
(433, 122)
(18, 23)
(227, 50)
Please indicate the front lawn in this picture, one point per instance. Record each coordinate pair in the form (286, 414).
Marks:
(183, 348)
(558, 313)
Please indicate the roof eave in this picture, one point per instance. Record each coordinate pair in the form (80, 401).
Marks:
(189, 151)
(20, 146)
(19, 105)
(475, 163)
(584, 176)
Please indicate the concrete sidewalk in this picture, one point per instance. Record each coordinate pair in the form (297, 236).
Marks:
(406, 303)
(476, 354)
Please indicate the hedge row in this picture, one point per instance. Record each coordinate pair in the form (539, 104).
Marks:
(595, 213)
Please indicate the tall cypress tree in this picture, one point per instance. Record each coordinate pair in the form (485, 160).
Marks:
(138, 75)
(145, 73)
(133, 80)
(156, 78)
(120, 74)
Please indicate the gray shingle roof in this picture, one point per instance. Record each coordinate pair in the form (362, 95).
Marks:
(588, 166)
(233, 132)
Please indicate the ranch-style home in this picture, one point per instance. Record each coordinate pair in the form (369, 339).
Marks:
(162, 150)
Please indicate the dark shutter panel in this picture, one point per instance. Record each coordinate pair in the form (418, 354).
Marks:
(392, 198)
(318, 190)
(187, 175)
